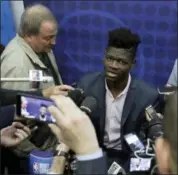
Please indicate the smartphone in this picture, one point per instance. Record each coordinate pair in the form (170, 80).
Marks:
(34, 107)
(151, 112)
(134, 142)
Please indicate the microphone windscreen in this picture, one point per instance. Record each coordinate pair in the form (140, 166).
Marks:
(89, 105)
(77, 95)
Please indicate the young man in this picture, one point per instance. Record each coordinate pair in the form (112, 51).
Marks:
(122, 99)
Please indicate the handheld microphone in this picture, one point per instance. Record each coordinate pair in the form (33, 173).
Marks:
(155, 126)
(77, 95)
(89, 105)
(34, 76)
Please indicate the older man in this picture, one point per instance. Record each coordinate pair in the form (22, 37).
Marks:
(31, 49)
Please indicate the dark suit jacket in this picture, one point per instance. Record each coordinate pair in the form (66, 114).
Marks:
(140, 95)
(96, 166)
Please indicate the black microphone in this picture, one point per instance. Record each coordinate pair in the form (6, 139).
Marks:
(155, 125)
(89, 105)
(77, 95)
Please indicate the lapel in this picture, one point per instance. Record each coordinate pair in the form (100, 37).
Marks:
(53, 62)
(99, 92)
(30, 53)
(129, 101)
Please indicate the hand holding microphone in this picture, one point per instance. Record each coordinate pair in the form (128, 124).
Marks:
(155, 125)
(73, 127)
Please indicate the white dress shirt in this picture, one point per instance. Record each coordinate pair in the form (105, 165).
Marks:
(114, 109)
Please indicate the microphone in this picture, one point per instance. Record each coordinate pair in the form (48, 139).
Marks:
(77, 95)
(34, 76)
(155, 125)
(89, 105)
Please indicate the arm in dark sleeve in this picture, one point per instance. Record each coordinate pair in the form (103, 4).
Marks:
(95, 166)
(8, 97)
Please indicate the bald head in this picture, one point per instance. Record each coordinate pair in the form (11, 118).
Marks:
(32, 19)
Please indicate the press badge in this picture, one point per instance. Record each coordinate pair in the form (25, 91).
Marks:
(142, 164)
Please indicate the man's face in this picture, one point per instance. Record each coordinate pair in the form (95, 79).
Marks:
(43, 110)
(117, 64)
(46, 39)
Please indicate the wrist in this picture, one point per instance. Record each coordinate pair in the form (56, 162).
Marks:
(88, 150)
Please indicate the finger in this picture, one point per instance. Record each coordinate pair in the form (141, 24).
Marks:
(23, 133)
(160, 115)
(64, 103)
(56, 130)
(27, 130)
(18, 124)
(147, 116)
(64, 93)
(20, 134)
(58, 115)
(65, 87)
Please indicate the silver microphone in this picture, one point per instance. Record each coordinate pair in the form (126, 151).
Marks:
(34, 76)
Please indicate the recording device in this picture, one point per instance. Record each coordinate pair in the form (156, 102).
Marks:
(155, 125)
(89, 105)
(143, 160)
(77, 95)
(151, 112)
(34, 107)
(134, 142)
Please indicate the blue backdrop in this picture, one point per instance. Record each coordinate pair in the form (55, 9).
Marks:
(83, 27)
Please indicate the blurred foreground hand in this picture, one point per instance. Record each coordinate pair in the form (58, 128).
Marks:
(73, 127)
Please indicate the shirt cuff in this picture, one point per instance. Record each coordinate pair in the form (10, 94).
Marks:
(96, 155)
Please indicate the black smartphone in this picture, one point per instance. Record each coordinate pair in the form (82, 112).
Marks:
(151, 112)
(134, 142)
(34, 107)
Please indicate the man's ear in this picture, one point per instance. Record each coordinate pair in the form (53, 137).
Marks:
(163, 155)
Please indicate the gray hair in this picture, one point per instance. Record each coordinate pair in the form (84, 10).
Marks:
(32, 18)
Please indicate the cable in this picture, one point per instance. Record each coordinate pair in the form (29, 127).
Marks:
(145, 151)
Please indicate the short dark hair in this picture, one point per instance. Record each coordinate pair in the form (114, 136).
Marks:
(125, 39)
(170, 124)
(43, 105)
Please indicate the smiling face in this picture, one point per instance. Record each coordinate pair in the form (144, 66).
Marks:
(118, 63)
